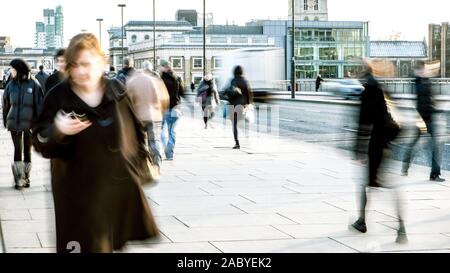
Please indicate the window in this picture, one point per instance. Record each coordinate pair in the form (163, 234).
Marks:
(177, 62)
(133, 38)
(305, 4)
(316, 5)
(328, 53)
(197, 63)
(352, 71)
(147, 37)
(352, 53)
(197, 79)
(218, 63)
(329, 71)
(306, 18)
(304, 53)
(306, 35)
(316, 18)
(305, 71)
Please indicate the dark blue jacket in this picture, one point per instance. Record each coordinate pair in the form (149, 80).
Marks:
(21, 104)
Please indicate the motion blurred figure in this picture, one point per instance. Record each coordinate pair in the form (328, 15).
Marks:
(42, 77)
(99, 160)
(208, 96)
(175, 87)
(239, 95)
(112, 72)
(150, 99)
(374, 112)
(319, 80)
(126, 72)
(425, 107)
(58, 74)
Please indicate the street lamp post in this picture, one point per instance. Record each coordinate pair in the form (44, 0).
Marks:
(121, 6)
(100, 20)
(204, 37)
(154, 35)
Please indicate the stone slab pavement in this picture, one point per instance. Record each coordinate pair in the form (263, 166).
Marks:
(273, 195)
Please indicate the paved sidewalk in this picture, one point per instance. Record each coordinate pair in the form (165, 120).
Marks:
(274, 195)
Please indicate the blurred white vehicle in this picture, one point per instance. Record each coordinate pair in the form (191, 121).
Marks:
(347, 88)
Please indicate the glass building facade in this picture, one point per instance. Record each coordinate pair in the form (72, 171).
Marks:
(439, 46)
(331, 49)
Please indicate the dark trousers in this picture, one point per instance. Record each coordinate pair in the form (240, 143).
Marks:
(435, 165)
(377, 144)
(22, 143)
(376, 147)
(235, 128)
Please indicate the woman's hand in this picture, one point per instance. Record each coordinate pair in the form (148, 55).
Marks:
(70, 126)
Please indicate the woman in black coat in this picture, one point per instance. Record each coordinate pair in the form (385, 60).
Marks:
(374, 112)
(97, 149)
(22, 99)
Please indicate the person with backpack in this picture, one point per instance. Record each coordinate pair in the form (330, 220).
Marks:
(175, 87)
(126, 72)
(239, 95)
(22, 101)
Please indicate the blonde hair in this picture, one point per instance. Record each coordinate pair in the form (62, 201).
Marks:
(79, 43)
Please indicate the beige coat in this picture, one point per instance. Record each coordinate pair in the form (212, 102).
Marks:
(149, 96)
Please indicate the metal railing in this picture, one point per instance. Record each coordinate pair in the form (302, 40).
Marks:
(440, 86)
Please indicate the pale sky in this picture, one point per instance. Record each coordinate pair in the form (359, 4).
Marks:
(410, 17)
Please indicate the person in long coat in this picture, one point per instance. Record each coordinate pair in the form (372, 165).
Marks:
(374, 112)
(208, 97)
(96, 144)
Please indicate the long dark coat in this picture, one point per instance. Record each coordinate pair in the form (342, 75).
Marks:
(97, 184)
(373, 112)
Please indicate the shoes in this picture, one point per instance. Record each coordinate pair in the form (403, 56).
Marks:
(360, 226)
(436, 178)
(27, 171)
(404, 172)
(19, 175)
(236, 147)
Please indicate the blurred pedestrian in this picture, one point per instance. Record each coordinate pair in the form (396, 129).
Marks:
(150, 99)
(374, 112)
(148, 69)
(208, 97)
(126, 72)
(22, 100)
(192, 86)
(58, 74)
(319, 81)
(175, 87)
(240, 96)
(426, 109)
(42, 77)
(99, 161)
(112, 72)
